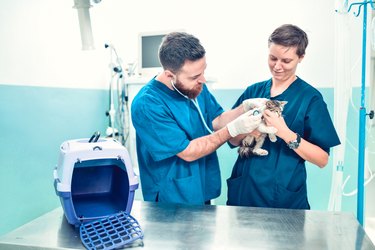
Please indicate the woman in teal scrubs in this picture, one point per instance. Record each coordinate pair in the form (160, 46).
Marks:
(305, 132)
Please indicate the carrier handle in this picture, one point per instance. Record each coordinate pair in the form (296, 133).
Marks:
(95, 137)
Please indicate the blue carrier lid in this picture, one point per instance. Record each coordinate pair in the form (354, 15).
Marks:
(111, 232)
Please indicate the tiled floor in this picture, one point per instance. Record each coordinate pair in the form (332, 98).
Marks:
(370, 201)
(370, 228)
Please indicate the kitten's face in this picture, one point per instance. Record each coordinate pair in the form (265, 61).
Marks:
(276, 106)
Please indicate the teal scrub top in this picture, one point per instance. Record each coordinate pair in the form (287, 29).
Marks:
(279, 179)
(165, 123)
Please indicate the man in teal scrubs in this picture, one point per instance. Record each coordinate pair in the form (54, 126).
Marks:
(174, 116)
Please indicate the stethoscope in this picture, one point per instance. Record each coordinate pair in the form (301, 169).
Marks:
(195, 102)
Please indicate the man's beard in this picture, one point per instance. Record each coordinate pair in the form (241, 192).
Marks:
(191, 93)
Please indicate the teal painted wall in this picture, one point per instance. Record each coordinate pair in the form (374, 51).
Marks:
(36, 120)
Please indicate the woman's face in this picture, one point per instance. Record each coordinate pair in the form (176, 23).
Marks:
(283, 62)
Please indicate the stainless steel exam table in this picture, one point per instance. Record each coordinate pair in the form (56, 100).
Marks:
(169, 226)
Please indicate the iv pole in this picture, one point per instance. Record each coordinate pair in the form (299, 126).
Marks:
(119, 115)
(362, 111)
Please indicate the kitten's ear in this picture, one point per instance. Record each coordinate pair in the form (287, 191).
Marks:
(283, 103)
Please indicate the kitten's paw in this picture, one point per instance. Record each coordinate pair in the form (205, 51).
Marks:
(260, 152)
(272, 137)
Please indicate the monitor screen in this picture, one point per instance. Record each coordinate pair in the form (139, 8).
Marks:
(148, 58)
(150, 46)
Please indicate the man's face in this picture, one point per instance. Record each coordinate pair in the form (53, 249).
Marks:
(189, 81)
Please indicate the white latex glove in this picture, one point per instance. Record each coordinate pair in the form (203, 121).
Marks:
(244, 124)
(253, 103)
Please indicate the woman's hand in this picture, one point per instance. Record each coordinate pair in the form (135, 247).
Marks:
(275, 120)
(306, 150)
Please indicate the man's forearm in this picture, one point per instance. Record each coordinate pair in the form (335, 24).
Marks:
(205, 145)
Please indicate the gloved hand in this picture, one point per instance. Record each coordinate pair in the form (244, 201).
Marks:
(244, 124)
(253, 103)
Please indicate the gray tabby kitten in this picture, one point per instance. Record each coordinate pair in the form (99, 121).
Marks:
(247, 148)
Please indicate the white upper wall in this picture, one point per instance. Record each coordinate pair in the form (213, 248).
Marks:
(40, 39)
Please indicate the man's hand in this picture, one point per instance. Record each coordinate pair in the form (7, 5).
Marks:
(244, 124)
(251, 103)
(255, 133)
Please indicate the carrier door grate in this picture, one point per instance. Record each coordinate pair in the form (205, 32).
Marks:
(110, 232)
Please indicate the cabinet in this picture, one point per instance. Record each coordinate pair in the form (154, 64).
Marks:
(134, 85)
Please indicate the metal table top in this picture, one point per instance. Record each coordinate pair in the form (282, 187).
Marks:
(168, 226)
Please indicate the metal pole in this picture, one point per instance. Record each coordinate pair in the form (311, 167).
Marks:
(362, 126)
